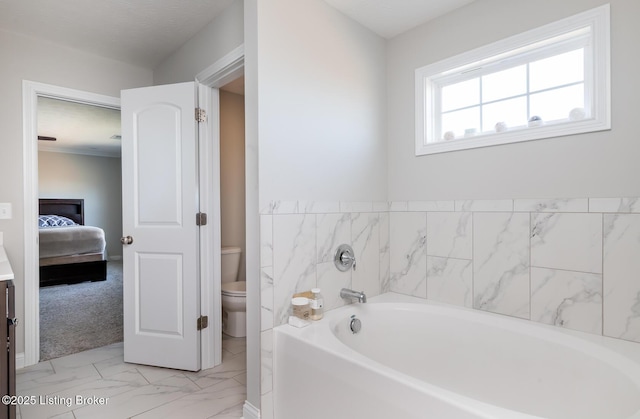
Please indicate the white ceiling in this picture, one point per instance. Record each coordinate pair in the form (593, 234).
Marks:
(389, 18)
(145, 33)
(140, 32)
(78, 128)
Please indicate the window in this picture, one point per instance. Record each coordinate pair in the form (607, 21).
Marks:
(548, 82)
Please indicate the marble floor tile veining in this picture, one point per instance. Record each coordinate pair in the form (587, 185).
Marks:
(99, 384)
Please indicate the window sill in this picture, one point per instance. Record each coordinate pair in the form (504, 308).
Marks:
(514, 136)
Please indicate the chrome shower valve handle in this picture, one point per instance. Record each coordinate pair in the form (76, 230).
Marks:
(344, 258)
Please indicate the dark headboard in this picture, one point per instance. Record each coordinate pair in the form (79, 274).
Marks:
(70, 208)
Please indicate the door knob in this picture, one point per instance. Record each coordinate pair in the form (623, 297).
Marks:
(126, 240)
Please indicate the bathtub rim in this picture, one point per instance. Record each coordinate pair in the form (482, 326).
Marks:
(320, 333)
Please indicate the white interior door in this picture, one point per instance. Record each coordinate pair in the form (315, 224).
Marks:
(160, 201)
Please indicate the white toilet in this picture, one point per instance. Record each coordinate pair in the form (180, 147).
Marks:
(234, 294)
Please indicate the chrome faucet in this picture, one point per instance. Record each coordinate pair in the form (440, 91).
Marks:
(359, 295)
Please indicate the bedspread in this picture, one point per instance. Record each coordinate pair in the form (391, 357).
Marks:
(72, 240)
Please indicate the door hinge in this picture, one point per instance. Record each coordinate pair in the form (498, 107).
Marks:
(203, 322)
(201, 115)
(201, 219)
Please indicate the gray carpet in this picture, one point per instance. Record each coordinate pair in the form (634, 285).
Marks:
(75, 318)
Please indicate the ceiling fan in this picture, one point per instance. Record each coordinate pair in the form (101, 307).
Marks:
(44, 138)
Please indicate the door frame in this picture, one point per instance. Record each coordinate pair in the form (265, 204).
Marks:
(226, 69)
(30, 93)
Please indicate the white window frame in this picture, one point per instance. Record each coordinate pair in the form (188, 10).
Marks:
(597, 78)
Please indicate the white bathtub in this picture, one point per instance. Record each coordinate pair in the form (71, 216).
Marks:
(419, 359)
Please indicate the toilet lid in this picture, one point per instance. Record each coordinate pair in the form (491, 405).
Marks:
(234, 288)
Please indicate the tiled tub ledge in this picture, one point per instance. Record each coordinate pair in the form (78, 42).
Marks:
(624, 205)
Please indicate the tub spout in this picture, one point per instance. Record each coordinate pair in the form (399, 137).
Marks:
(359, 295)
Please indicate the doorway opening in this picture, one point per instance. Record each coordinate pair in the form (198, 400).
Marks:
(233, 222)
(80, 280)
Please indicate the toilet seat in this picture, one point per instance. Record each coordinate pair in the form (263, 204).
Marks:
(236, 288)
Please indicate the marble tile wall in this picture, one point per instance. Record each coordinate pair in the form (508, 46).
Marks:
(298, 244)
(573, 263)
(298, 241)
(621, 276)
(501, 263)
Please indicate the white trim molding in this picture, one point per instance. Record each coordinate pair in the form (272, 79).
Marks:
(221, 72)
(210, 238)
(20, 360)
(30, 93)
(226, 69)
(249, 411)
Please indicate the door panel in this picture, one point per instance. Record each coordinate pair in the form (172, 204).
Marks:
(159, 313)
(157, 134)
(160, 200)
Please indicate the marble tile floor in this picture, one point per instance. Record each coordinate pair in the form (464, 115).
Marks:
(131, 390)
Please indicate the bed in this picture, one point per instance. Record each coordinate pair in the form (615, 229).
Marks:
(70, 252)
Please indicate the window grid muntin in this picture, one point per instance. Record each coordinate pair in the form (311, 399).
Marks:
(511, 62)
(526, 95)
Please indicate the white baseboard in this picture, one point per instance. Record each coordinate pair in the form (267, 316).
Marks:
(249, 411)
(20, 360)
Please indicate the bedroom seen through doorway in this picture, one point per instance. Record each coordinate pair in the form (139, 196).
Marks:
(80, 223)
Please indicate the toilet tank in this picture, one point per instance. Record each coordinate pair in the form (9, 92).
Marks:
(230, 263)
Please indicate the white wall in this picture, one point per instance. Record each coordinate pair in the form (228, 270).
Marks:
(41, 61)
(97, 180)
(321, 105)
(219, 37)
(600, 164)
(232, 191)
(321, 109)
